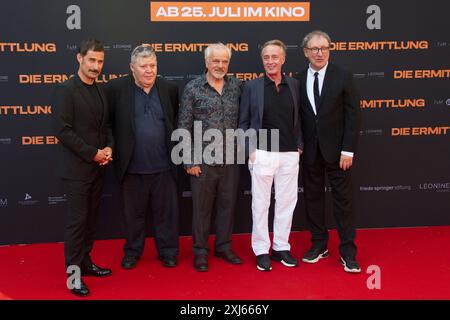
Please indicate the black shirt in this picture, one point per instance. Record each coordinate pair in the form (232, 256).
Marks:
(98, 104)
(150, 151)
(279, 114)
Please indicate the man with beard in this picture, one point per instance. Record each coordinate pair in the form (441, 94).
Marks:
(86, 143)
(212, 100)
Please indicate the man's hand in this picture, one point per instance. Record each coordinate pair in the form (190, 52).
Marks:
(252, 157)
(346, 162)
(108, 152)
(101, 156)
(194, 171)
(300, 151)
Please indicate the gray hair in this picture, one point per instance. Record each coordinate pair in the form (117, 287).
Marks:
(142, 51)
(216, 46)
(315, 33)
(275, 42)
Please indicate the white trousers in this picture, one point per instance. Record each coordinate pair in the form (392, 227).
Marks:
(281, 168)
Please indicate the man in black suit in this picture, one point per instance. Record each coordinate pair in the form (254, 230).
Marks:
(144, 110)
(84, 132)
(329, 114)
(272, 103)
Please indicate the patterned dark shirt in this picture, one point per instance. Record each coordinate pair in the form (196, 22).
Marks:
(201, 102)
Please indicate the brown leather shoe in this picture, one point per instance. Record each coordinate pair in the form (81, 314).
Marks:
(201, 263)
(229, 256)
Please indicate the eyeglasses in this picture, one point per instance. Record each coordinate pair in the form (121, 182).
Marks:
(316, 50)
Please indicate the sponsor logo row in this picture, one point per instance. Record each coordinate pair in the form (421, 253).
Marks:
(29, 200)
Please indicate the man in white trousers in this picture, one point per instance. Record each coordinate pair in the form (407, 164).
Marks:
(270, 104)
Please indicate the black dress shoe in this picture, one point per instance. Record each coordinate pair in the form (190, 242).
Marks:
(81, 291)
(95, 271)
(168, 261)
(129, 262)
(201, 263)
(229, 256)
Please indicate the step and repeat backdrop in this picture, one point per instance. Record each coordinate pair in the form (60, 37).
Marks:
(398, 51)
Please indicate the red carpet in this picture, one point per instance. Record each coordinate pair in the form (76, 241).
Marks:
(414, 263)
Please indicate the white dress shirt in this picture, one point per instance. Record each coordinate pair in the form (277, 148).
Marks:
(310, 91)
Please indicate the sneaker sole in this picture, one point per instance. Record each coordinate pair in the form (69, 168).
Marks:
(320, 256)
(262, 269)
(284, 262)
(346, 269)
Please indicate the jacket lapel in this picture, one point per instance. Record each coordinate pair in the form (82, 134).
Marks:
(326, 86)
(304, 84)
(260, 95)
(130, 108)
(294, 92)
(163, 93)
(104, 106)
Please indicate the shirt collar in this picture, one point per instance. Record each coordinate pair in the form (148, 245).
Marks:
(321, 71)
(140, 90)
(268, 81)
(204, 81)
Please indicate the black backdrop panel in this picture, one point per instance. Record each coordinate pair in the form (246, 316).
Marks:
(401, 171)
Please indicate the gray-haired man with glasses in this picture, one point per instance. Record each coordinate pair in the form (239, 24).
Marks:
(143, 109)
(329, 114)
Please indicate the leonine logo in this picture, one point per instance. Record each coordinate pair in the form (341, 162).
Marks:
(435, 186)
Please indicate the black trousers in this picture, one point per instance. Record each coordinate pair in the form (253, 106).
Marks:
(217, 186)
(83, 202)
(155, 195)
(314, 191)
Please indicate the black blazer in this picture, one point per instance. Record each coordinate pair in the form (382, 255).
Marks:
(120, 95)
(252, 107)
(335, 127)
(78, 130)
